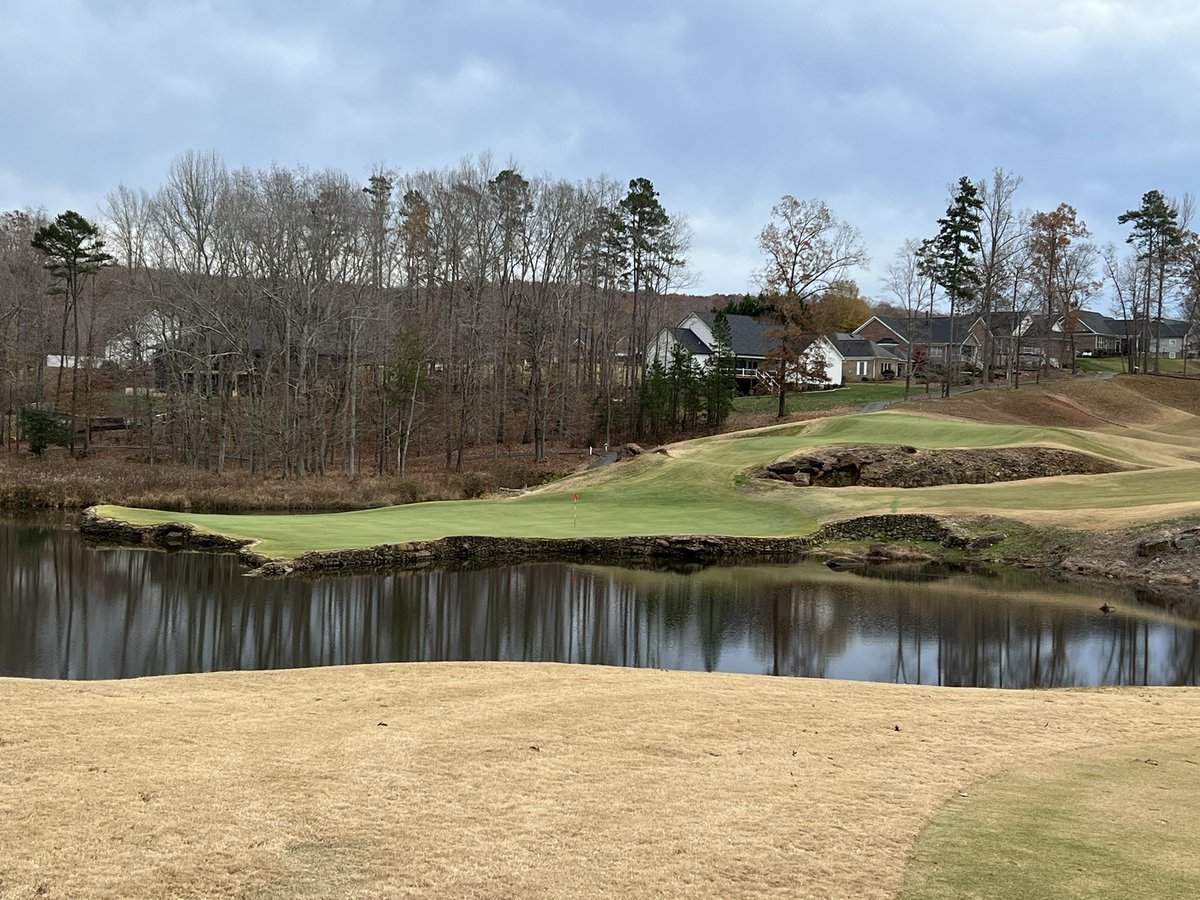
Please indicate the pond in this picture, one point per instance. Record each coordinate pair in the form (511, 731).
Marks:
(70, 611)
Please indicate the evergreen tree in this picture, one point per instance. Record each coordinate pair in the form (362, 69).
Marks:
(74, 252)
(642, 231)
(753, 305)
(41, 429)
(719, 382)
(679, 372)
(1158, 237)
(953, 260)
(654, 397)
(691, 399)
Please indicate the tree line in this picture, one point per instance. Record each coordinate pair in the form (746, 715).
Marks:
(301, 321)
(989, 258)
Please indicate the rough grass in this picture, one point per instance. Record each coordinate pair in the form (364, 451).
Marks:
(522, 780)
(1109, 822)
(60, 483)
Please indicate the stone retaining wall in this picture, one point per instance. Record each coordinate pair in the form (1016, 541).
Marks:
(457, 549)
(894, 527)
(168, 536)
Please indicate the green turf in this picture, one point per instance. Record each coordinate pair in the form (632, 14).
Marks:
(852, 396)
(1113, 822)
(1101, 364)
(1121, 364)
(706, 489)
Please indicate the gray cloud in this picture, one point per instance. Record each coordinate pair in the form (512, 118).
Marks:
(874, 106)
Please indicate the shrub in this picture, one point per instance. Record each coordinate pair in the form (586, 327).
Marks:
(42, 428)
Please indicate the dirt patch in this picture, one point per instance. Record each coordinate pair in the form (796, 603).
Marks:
(909, 467)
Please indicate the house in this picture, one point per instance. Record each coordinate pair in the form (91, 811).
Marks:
(142, 338)
(1092, 333)
(751, 343)
(941, 337)
(1168, 337)
(864, 360)
(1009, 330)
(1095, 334)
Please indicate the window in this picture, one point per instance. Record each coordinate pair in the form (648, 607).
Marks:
(862, 367)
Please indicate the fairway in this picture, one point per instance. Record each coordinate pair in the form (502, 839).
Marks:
(526, 780)
(705, 486)
(1109, 822)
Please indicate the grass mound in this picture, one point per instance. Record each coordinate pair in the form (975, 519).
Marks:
(1128, 400)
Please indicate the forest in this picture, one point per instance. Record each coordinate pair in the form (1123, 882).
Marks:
(298, 322)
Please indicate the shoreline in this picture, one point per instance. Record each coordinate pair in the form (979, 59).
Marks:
(459, 548)
(848, 543)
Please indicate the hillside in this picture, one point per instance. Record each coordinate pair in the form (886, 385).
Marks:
(1145, 426)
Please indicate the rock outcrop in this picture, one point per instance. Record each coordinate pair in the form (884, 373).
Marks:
(902, 466)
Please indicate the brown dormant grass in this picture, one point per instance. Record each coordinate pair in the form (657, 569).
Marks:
(499, 780)
(58, 482)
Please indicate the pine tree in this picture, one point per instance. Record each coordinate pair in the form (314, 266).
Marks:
(953, 260)
(74, 252)
(654, 397)
(642, 230)
(1158, 236)
(719, 377)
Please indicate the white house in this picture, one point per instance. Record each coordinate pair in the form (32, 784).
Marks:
(751, 343)
(139, 339)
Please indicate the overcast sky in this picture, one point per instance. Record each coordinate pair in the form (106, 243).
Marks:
(873, 106)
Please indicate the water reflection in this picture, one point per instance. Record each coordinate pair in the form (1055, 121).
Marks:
(67, 611)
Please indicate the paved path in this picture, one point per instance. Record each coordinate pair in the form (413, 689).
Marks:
(602, 458)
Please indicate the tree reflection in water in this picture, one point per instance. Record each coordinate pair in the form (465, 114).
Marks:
(67, 611)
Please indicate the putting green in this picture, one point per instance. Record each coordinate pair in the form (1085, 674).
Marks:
(703, 488)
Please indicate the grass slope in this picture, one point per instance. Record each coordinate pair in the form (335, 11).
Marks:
(703, 488)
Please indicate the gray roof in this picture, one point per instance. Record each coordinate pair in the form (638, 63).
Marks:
(1006, 322)
(852, 347)
(690, 342)
(1098, 323)
(1170, 328)
(749, 334)
(930, 329)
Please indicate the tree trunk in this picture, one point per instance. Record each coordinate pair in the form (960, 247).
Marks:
(782, 411)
